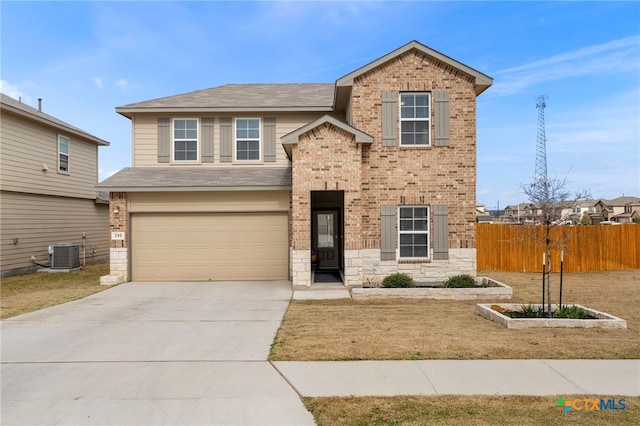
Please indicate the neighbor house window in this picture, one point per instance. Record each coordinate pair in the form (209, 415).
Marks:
(248, 139)
(414, 118)
(185, 139)
(63, 153)
(414, 232)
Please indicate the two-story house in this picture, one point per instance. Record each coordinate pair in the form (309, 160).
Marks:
(624, 209)
(514, 213)
(619, 210)
(581, 210)
(370, 175)
(48, 174)
(631, 213)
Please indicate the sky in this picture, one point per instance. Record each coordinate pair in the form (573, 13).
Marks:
(86, 58)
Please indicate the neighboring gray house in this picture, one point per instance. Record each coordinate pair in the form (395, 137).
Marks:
(48, 174)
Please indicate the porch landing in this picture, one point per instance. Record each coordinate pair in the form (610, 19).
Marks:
(321, 291)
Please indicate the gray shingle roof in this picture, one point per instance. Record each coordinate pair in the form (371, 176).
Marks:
(8, 103)
(621, 201)
(244, 97)
(198, 179)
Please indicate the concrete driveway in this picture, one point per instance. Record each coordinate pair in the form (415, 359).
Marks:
(151, 354)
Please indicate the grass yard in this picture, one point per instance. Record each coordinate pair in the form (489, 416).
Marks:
(463, 410)
(400, 329)
(26, 293)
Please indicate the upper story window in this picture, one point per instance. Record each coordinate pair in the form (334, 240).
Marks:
(63, 154)
(415, 118)
(247, 139)
(185, 139)
(414, 232)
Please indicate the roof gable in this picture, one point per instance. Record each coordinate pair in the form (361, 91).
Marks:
(482, 81)
(292, 138)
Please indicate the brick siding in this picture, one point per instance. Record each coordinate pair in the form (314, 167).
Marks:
(418, 175)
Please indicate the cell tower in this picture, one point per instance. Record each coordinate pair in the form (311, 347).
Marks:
(541, 143)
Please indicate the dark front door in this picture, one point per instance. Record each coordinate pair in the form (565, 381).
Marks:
(326, 239)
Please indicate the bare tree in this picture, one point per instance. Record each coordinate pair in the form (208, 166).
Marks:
(554, 204)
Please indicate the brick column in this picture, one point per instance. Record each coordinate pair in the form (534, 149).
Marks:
(119, 251)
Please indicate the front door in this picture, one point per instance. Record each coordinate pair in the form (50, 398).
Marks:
(326, 239)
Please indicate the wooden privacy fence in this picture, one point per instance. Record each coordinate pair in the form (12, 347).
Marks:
(586, 248)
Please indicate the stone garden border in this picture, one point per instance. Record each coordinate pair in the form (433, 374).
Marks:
(497, 290)
(603, 320)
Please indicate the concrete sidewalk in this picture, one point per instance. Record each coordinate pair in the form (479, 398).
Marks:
(462, 377)
(455, 377)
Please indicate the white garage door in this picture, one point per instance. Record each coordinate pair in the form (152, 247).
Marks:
(212, 246)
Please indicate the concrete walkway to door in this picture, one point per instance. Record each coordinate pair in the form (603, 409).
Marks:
(151, 354)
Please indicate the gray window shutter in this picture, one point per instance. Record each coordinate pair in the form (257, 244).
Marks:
(164, 140)
(440, 232)
(390, 118)
(269, 139)
(207, 139)
(387, 232)
(226, 140)
(441, 117)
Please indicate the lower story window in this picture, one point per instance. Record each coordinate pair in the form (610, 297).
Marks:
(414, 232)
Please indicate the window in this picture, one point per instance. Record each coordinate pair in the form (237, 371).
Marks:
(248, 139)
(325, 230)
(414, 119)
(414, 232)
(185, 139)
(63, 153)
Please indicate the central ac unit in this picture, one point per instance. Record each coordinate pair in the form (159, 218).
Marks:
(64, 256)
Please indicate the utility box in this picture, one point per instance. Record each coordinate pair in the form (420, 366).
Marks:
(64, 256)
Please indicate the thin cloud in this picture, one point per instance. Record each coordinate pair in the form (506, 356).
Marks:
(602, 59)
(122, 84)
(598, 129)
(577, 54)
(97, 81)
(13, 91)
